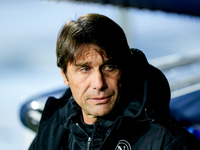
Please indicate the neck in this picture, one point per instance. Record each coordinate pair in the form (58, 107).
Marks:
(89, 119)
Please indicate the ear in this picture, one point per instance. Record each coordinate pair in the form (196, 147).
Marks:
(64, 78)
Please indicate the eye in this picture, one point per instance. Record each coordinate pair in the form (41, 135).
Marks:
(111, 70)
(109, 67)
(84, 69)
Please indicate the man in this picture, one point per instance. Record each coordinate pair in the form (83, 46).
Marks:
(116, 100)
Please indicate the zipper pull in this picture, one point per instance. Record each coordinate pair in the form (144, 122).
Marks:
(89, 142)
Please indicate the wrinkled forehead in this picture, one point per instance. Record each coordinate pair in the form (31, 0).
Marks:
(89, 50)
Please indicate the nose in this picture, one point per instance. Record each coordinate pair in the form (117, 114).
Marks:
(98, 81)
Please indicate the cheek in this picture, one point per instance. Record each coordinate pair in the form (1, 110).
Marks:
(114, 83)
(116, 80)
(78, 87)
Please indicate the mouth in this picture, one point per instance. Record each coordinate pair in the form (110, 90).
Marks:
(100, 100)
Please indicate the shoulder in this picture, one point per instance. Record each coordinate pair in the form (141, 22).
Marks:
(52, 104)
(165, 133)
(177, 137)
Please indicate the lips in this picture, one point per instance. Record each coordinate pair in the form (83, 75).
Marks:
(100, 100)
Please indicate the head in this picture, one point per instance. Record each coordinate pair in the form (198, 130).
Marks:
(93, 53)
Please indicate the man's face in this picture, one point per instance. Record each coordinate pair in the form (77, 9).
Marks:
(95, 84)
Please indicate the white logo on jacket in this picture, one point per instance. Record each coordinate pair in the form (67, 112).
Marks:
(123, 145)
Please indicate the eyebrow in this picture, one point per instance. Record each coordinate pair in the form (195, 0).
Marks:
(109, 61)
(82, 64)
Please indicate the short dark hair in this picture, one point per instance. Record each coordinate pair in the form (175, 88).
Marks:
(91, 29)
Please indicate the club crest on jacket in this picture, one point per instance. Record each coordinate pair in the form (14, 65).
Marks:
(123, 145)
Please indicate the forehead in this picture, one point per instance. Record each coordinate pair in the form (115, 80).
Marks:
(90, 51)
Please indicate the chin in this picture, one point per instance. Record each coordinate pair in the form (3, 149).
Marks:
(101, 112)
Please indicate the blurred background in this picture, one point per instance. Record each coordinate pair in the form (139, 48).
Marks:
(28, 33)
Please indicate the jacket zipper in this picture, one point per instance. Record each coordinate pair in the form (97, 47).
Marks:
(89, 138)
(89, 142)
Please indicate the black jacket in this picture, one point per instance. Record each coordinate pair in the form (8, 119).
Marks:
(140, 121)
